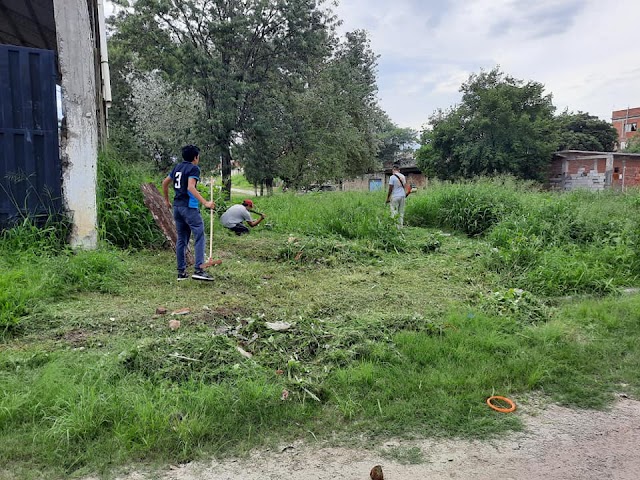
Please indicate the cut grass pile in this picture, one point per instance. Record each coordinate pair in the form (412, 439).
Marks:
(389, 334)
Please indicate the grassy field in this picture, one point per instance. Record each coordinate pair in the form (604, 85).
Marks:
(494, 288)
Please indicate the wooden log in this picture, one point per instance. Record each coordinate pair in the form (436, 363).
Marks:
(163, 216)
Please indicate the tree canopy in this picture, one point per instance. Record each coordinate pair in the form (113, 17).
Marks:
(502, 125)
(505, 125)
(633, 146)
(581, 131)
(322, 128)
(275, 84)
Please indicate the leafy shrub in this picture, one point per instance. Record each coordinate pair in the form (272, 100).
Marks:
(517, 304)
(123, 218)
(472, 208)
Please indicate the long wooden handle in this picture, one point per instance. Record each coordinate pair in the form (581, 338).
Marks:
(211, 223)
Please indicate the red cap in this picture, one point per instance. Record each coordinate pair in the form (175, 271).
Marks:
(247, 203)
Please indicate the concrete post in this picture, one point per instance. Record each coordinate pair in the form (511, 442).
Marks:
(79, 139)
(608, 172)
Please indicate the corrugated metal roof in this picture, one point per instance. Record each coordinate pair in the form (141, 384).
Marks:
(28, 23)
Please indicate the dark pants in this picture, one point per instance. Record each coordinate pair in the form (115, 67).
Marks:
(188, 221)
(239, 228)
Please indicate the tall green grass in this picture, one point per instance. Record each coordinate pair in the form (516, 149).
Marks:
(348, 215)
(472, 207)
(87, 411)
(549, 243)
(407, 344)
(438, 383)
(578, 242)
(123, 219)
(36, 266)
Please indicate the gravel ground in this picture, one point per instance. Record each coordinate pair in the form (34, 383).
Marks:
(557, 443)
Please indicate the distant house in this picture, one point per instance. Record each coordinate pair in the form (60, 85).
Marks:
(571, 169)
(626, 122)
(54, 95)
(408, 168)
(380, 180)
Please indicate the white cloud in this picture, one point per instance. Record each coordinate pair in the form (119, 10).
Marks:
(583, 51)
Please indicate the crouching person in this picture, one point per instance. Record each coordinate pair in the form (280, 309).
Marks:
(237, 217)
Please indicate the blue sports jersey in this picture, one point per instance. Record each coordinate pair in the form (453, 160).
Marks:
(180, 175)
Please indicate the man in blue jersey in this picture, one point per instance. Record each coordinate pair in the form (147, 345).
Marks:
(186, 212)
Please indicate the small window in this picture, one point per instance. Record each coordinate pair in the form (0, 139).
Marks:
(616, 169)
(630, 127)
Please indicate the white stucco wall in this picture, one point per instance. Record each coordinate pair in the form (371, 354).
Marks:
(79, 143)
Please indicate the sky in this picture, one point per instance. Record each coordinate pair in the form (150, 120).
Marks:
(585, 52)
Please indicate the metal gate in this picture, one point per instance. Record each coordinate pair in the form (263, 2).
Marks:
(30, 170)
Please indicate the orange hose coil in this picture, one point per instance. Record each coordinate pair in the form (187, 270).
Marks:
(509, 409)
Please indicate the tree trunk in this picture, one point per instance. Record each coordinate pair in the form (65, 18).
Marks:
(226, 170)
(269, 182)
(163, 216)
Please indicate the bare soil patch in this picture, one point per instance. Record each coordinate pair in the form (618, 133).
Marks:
(557, 443)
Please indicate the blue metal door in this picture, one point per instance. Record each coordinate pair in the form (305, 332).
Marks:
(30, 170)
(375, 184)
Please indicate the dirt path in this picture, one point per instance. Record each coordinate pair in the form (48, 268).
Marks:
(558, 443)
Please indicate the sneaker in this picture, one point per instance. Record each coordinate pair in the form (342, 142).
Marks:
(182, 276)
(202, 275)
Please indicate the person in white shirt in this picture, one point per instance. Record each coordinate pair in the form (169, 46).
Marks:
(396, 195)
(237, 215)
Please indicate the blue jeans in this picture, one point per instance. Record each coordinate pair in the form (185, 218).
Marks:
(188, 221)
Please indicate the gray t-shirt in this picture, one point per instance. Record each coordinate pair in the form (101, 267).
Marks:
(234, 215)
(398, 188)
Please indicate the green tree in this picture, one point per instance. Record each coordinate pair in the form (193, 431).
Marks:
(163, 117)
(633, 146)
(393, 139)
(581, 131)
(502, 125)
(228, 51)
(121, 124)
(321, 129)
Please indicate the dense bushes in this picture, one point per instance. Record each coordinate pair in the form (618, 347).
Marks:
(547, 243)
(123, 219)
(469, 207)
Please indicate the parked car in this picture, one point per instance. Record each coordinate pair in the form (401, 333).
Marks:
(315, 187)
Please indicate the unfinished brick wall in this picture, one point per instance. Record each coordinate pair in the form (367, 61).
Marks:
(620, 118)
(578, 169)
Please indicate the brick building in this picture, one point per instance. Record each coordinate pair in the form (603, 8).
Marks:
(572, 169)
(626, 122)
